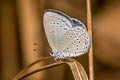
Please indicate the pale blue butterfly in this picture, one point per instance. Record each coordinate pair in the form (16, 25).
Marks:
(67, 37)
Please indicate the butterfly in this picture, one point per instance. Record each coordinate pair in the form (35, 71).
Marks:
(67, 37)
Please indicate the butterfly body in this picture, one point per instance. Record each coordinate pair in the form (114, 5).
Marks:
(67, 37)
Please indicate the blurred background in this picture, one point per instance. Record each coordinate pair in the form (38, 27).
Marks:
(21, 26)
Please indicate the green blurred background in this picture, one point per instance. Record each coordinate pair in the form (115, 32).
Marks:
(21, 25)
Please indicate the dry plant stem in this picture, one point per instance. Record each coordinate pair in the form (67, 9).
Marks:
(89, 24)
(29, 66)
(77, 70)
(38, 70)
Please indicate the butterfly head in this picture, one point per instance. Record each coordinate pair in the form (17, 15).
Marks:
(58, 55)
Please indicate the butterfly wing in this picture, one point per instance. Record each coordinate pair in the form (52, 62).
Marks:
(56, 24)
(75, 42)
(76, 22)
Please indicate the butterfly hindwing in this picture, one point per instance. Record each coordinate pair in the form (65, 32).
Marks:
(76, 42)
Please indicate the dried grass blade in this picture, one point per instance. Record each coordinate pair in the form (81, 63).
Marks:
(77, 70)
(89, 23)
(22, 72)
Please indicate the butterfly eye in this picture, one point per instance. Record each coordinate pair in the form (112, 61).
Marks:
(51, 53)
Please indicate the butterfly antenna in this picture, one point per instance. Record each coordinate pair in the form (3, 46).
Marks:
(38, 47)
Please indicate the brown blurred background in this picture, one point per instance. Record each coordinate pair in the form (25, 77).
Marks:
(21, 25)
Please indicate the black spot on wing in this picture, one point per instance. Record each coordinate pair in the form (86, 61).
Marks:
(76, 23)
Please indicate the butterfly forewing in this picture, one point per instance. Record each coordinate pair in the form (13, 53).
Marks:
(56, 24)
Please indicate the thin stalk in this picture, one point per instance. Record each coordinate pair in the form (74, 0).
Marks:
(89, 24)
